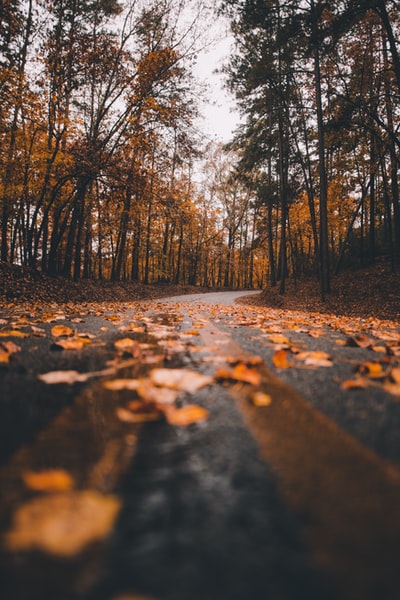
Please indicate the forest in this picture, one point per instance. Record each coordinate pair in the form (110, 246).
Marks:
(104, 171)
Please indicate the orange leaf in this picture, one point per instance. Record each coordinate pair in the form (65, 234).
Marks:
(55, 377)
(316, 333)
(248, 375)
(159, 395)
(278, 338)
(71, 343)
(52, 480)
(61, 331)
(180, 379)
(13, 333)
(10, 347)
(121, 384)
(128, 416)
(354, 384)
(373, 370)
(4, 356)
(360, 340)
(128, 346)
(63, 524)
(261, 399)
(182, 417)
(280, 359)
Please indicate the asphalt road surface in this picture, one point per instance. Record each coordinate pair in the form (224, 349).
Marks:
(293, 496)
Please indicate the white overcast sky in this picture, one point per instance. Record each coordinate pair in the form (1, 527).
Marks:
(220, 117)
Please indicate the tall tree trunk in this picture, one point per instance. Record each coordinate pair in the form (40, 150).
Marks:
(323, 182)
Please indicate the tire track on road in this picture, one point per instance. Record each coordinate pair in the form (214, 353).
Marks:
(347, 498)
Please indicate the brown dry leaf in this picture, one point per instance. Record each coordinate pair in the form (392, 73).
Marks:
(280, 359)
(315, 359)
(191, 332)
(54, 377)
(316, 333)
(134, 328)
(248, 375)
(63, 524)
(278, 338)
(53, 480)
(10, 347)
(61, 331)
(38, 331)
(373, 370)
(127, 416)
(151, 411)
(159, 395)
(354, 384)
(71, 343)
(180, 379)
(240, 373)
(4, 356)
(182, 417)
(392, 388)
(128, 346)
(341, 343)
(253, 361)
(361, 340)
(13, 333)
(379, 348)
(121, 384)
(261, 399)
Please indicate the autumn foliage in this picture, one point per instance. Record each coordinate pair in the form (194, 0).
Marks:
(103, 173)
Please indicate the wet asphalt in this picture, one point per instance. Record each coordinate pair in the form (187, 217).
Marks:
(203, 516)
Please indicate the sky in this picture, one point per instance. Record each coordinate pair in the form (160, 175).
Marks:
(220, 117)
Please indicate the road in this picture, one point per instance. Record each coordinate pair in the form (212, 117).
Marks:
(287, 486)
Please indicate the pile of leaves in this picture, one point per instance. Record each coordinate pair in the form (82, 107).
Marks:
(369, 292)
(24, 284)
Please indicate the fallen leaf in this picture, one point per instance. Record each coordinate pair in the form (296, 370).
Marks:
(159, 395)
(53, 480)
(392, 388)
(71, 343)
(180, 379)
(13, 333)
(373, 370)
(61, 331)
(62, 524)
(38, 331)
(248, 360)
(361, 340)
(54, 377)
(121, 384)
(315, 359)
(248, 375)
(280, 359)
(4, 356)
(316, 333)
(354, 384)
(128, 346)
(10, 347)
(278, 338)
(261, 399)
(127, 416)
(182, 417)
